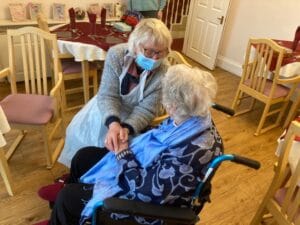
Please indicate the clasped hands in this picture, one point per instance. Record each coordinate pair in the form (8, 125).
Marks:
(116, 139)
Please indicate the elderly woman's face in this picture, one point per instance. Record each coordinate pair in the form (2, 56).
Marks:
(154, 51)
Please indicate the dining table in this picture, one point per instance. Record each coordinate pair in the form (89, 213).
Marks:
(291, 61)
(87, 42)
(290, 68)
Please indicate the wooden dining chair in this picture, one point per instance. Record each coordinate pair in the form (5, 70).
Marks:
(174, 57)
(4, 169)
(281, 203)
(33, 103)
(261, 81)
(72, 71)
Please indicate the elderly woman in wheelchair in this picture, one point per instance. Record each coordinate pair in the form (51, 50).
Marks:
(161, 166)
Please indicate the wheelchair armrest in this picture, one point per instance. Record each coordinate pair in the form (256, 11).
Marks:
(148, 210)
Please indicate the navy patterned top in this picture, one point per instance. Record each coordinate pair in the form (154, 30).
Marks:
(173, 175)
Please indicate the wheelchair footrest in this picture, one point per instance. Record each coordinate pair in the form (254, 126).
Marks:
(136, 208)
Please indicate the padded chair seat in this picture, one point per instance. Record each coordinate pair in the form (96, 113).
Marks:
(28, 108)
(281, 91)
(70, 66)
(279, 197)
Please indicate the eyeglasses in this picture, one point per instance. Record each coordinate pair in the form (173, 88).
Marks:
(148, 52)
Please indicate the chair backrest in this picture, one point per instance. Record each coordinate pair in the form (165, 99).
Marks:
(42, 22)
(262, 62)
(27, 46)
(282, 199)
(175, 57)
(286, 184)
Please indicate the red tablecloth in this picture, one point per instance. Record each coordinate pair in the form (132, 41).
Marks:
(103, 37)
(292, 56)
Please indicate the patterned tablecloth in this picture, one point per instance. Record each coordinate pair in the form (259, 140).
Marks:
(88, 41)
(291, 61)
(4, 127)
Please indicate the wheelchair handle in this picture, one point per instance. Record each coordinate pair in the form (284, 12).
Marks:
(246, 161)
(213, 166)
(223, 109)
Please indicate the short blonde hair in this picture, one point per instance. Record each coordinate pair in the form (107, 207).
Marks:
(190, 90)
(152, 31)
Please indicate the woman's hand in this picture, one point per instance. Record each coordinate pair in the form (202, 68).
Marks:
(115, 136)
(124, 134)
(112, 136)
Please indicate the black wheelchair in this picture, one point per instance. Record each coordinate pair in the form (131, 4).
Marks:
(168, 215)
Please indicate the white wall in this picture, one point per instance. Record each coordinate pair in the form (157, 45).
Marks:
(277, 19)
(47, 5)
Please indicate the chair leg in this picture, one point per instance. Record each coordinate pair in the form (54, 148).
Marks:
(236, 99)
(51, 156)
(292, 113)
(47, 147)
(258, 217)
(5, 173)
(283, 108)
(15, 144)
(59, 146)
(262, 119)
(63, 97)
(95, 82)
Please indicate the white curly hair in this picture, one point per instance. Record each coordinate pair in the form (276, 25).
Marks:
(189, 90)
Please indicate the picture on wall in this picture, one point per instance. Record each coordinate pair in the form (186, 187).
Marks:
(17, 12)
(34, 9)
(59, 11)
(110, 9)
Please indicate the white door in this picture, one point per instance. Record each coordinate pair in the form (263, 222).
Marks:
(204, 30)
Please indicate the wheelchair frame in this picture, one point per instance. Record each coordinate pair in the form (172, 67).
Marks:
(170, 215)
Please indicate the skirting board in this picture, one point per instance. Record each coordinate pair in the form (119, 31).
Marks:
(229, 65)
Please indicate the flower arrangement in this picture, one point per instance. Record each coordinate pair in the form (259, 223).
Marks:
(80, 13)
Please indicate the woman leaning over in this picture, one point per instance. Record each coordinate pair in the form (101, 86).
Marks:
(129, 97)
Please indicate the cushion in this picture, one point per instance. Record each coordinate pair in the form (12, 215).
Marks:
(70, 66)
(280, 196)
(28, 108)
(280, 91)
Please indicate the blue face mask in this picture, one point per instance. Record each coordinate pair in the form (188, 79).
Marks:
(147, 63)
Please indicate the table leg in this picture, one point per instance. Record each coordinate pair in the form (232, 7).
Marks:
(292, 112)
(85, 80)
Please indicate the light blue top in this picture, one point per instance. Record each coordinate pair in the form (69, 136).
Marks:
(146, 5)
